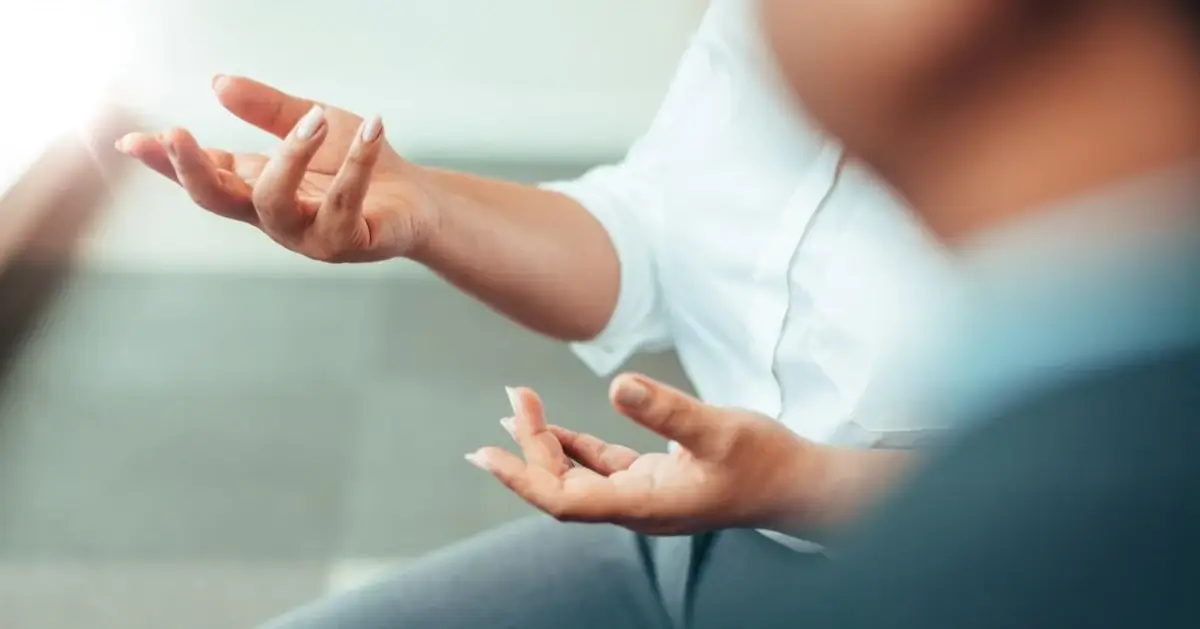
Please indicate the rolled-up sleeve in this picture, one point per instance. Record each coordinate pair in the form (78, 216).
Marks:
(631, 214)
(630, 199)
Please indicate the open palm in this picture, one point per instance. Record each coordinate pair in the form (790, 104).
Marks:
(607, 473)
(732, 468)
(339, 193)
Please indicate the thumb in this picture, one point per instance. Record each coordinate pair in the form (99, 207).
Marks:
(669, 412)
(271, 110)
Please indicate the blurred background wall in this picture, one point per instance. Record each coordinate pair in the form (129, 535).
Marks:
(203, 430)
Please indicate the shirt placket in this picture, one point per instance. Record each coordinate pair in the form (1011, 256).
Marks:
(773, 269)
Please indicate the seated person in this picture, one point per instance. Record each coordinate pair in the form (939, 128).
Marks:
(1056, 145)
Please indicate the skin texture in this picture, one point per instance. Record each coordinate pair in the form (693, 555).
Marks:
(983, 111)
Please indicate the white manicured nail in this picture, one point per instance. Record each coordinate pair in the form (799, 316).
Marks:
(510, 425)
(515, 401)
(371, 129)
(476, 459)
(309, 124)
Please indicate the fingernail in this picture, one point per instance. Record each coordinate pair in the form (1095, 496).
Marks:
(632, 393)
(218, 82)
(309, 124)
(371, 129)
(510, 424)
(476, 459)
(514, 399)
(122, 144)
(169, 144)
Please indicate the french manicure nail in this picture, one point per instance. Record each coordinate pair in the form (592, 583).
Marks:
(510, 424)
(514, 400)
(475, 459)
(218, 82)
(371, 129)
(310, 123)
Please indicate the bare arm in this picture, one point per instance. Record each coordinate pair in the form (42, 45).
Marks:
(850, 481)
(335, 190)
(534, 255)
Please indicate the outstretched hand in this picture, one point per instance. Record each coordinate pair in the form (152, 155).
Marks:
(734, 468)
(333, 190)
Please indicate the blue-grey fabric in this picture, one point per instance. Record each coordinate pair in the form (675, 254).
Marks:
(1076, 507)
(543, 574)
(1130, 305)
(1106, 280)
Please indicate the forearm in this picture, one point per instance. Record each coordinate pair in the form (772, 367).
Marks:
(534, 255)
(853, 479)
(830, 486)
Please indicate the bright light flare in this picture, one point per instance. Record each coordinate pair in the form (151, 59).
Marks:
(58, 61)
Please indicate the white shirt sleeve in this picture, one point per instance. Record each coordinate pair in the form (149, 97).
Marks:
(631, 198)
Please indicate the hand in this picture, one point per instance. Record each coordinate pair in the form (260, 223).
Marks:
(333, 191)
(735, 468)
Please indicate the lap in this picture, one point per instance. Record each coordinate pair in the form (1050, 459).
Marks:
(542, 573)
(533, 573)
(742, 568)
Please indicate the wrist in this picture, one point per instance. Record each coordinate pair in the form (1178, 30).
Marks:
(829, 485)
(796, 495)
(853, 480)
(435, 197)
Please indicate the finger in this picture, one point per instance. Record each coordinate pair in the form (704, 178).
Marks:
(272, 110)
(540, 448)
(594, 453)
(340, 216)
(582, 497)
(219, 192)
(527, 409)
(669, 412)
(509, 424)
(150, 151)
(261, 105)
(275, 191)
(537, 486)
